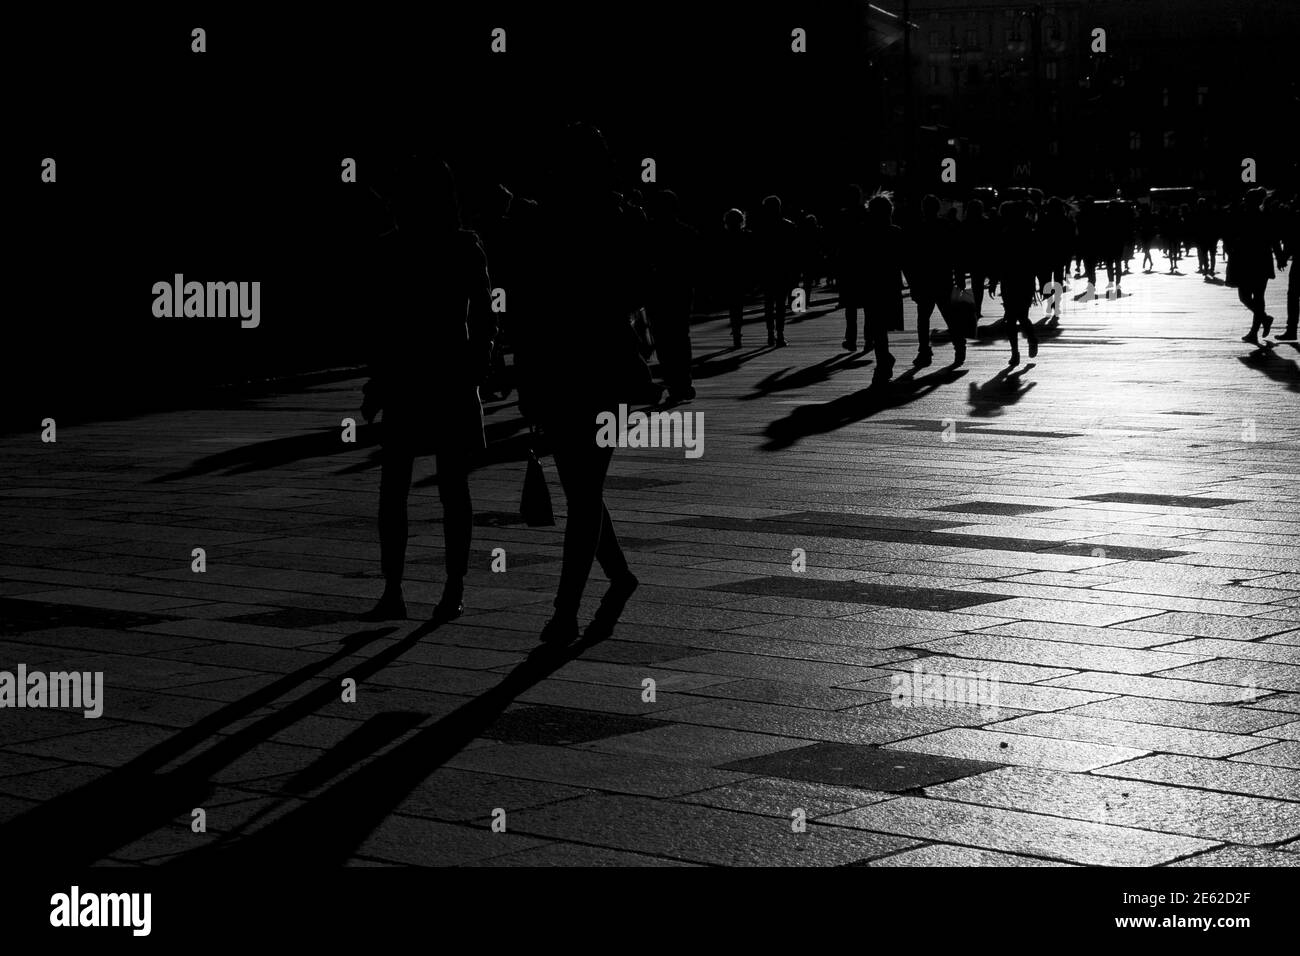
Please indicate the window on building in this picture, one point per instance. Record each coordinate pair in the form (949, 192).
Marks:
(1202, 94)
(935, 75)
(972, 38)
(1052, 70)
(1135, 141)
(1169, 139)
(1164, 97)
(936, 39)
(1054, 148)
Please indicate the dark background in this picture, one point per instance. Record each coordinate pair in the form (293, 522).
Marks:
(225, 165)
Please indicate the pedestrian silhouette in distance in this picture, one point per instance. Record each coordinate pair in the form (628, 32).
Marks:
(735, 269)
(776, 245)
(1014, 270)
(673, 249)
(882, 283)
(932, 275)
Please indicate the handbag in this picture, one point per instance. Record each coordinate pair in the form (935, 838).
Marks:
(535, 502)
(962, 313)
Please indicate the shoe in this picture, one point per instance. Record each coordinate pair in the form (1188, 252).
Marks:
(923, 358)
(1289, 335)
(561, 629)
(1268, 323)
(780, 341)
(450, 606)
(771, 340)
(681, 395)
(1015, 360)
(611, 607)
(1250, 337)
(959, 356)
(391, 607)
(735, 341)
(849, 346)
(1033, 348)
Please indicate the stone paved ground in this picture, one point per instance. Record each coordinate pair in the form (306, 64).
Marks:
(1103, 544)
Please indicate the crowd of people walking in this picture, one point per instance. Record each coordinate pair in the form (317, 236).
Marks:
(596, 278)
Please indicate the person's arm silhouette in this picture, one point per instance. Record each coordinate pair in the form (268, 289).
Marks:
(481, 321)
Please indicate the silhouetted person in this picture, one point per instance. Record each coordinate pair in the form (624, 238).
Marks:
(1173, 230)
(1291, 252)
(1147, 237)
(777, 253)
(734, 264)
(976, 236)
(1116, 228)
(1251, 262)
(673, 248)
(932, 275)
(1205, 235)
(1091, 240)
(811, 253)
(1055, 234)
(1014, 270)
(882, 283)
(850, 262)
(432, 329)
(577, 356)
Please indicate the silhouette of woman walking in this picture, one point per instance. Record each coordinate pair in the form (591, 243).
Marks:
(577, 357)
(432, 342)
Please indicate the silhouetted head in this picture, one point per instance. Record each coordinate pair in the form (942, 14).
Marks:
(1013, 209)
(733, 220)
(663, 206)
(424, 195)
(880, 209)
(975, 209)
(930, 207)
(853, 196)
(772, 207)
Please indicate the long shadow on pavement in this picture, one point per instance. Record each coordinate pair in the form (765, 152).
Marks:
(1004, 389)
(131, 801)
(819, 418)
(331, 826)
(789, 378)
(1279, 369)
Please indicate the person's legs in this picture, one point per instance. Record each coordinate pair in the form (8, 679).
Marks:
(977, 283)
(582, 466)
(769, 315)
(782, 299)
(924, 309)
(875, 326)
(851, 327)
(956, 334)
(1292, 300)
(396, 465)
(457, 522)
(737, 319)
(1018, 319)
